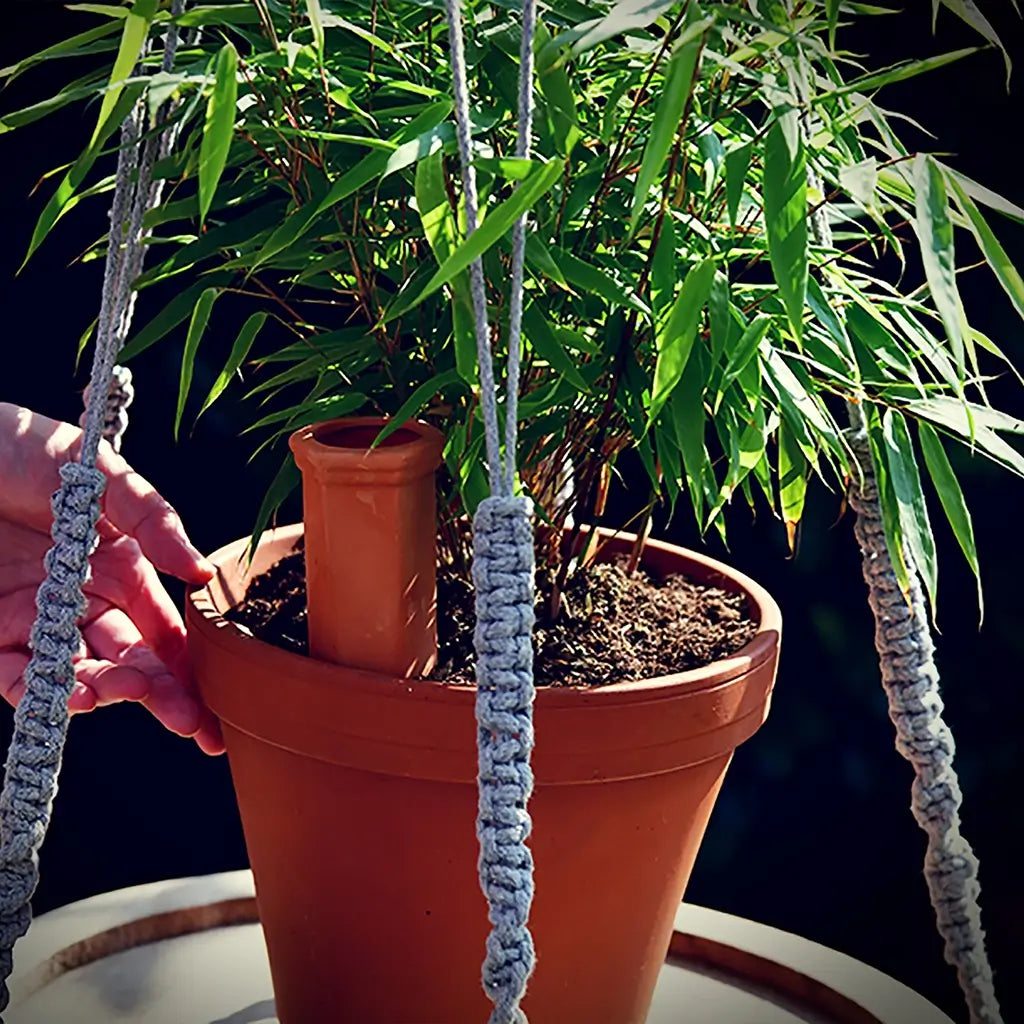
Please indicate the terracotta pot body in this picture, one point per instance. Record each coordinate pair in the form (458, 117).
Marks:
(358, 800)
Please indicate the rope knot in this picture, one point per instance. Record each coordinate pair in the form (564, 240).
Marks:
(503, 569)
(911, 680)
(120, 396)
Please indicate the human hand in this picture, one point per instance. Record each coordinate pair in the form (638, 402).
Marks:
(133, 639)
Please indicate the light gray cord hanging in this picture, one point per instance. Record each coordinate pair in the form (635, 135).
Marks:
(41, 718)
(503, 577)
(136, 161)
(911, 680)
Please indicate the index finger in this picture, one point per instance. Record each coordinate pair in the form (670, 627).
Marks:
(135, 507)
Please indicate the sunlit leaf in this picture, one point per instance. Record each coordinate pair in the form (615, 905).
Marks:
(1002, 266)
(286, 480)
(219, 127)
(793, 469)
(133, 36)
(675, 342)
(951, 498)
(316, 23)
(913, 512)
(785, 213)
(668, 118)
(935, 232)
(417, 401)
(196, 330)
(240, 349)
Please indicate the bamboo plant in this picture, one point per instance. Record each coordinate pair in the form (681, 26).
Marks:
(677, 306)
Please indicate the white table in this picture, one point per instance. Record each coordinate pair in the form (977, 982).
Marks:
(191, 951)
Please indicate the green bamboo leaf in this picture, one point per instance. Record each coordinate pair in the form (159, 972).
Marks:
(318, 411)
(196, 329)
(219, 128)
(687, 411)
(546, 343)
(913, 512)
(438, 220)
(105, 10)
(746, 348)
(968, 12)
(416, 402)
(887, 502)
(317, 24)
(422, 129)
(27, 115)
(832, 12)
(785, 213)
(133, 37)
(897, 73)
(737, 164)
(805, 410)
(860, 180)
(592, 280)
(286, 480)
(66, 196)
(826, 315)
(174, 313)
(948, 489)
(84, 340)
(495, 225)
(723, 324)
(935, 233)
(240, 349)
(664, 272)
(72, 47)
(538, 256)
(987, 197)
(219, 14)
(675, 343)
(793, 469)
(624, 16)
(668, 117)
(558, 92)
(1002, 266)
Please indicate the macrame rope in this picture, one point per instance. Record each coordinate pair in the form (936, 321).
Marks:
(503, 577)
(911, 681)
(41, 718)
(136, 193)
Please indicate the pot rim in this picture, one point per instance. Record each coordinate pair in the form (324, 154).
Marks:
(210, 619)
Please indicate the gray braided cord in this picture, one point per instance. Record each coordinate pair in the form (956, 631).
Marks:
(119, 398)
(41, 718)
(139, 193)
(503, 577)
(911, 680)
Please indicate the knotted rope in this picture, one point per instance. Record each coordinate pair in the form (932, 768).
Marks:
(503, 576)
(911, 680)
(136, 193)
(41, 718)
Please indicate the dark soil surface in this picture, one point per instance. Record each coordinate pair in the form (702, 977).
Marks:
(615, 626)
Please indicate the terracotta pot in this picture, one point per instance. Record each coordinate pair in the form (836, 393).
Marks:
(358, 799)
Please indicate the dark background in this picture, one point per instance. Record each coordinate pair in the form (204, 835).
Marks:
(812, 832)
